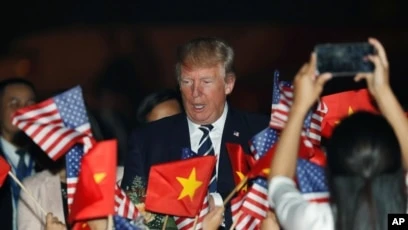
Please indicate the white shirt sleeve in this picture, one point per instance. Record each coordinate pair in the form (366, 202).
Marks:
(293, 211)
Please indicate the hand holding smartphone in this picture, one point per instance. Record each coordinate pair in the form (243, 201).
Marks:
(344, 59)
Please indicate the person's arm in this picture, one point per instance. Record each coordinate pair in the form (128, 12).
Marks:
(379, 86)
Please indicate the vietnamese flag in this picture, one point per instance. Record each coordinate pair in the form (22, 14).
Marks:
(240, 162)
(4, 169)
(343, 104)
(94, 196)
(178, 188)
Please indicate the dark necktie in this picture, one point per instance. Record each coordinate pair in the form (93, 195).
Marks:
(206, 148)
(21, 172)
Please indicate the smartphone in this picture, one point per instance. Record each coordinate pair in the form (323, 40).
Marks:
(344, 59)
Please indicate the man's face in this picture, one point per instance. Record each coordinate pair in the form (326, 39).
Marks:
(204, 91)
(15, 96)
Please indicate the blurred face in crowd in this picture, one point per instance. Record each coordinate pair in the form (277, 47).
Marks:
(14, 97)
(164, 109)
(204, 91)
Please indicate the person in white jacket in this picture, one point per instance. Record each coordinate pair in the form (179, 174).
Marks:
(366, 158)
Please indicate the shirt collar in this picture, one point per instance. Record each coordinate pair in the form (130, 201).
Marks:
(218, 124)
(7, 146)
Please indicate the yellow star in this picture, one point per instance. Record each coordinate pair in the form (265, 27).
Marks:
(98, 177)
(190, 185)
(265, 171)
(350, 111)
(241, 176)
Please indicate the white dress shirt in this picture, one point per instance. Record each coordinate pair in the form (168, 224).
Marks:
(215, 135)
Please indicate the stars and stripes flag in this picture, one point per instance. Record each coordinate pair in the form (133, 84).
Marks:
(59, 126)
(124, 207)
(185, 223)
(123, 224)
(282, 100)
(262, 142)
(248, 210)
(311, 181)
(56, 124)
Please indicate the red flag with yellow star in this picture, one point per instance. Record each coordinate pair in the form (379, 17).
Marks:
(4, 169)
(343, 104)
(178, 188)
(240, 162)
(94, 196)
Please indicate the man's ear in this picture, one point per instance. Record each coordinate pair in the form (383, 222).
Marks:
(229, 83)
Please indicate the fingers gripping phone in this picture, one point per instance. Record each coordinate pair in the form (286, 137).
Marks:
(344, 59)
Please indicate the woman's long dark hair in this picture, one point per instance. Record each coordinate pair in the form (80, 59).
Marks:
(365, 173)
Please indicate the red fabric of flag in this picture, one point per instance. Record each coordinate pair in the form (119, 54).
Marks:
(95, 190)
(239, 161)
(343, 104)
(4, 169)
(179, 188)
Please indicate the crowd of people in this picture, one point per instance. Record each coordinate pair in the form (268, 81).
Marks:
(366, 154)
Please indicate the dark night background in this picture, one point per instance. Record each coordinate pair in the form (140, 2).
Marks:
(58, 38)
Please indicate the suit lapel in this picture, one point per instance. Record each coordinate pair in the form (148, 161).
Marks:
(180, 137)
(231, 134)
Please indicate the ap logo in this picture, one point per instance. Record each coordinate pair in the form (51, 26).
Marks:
(397, 221)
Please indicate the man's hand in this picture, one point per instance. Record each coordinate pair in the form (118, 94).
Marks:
(52, 223)
(214, 218)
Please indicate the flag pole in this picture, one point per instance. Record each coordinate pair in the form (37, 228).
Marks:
(110, 223)
(26, 191)
(234, 223)
(195, 222)
(236, 189)
(165, 222)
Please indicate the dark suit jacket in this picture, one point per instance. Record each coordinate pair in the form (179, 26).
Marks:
(162, 141)
(6, 207)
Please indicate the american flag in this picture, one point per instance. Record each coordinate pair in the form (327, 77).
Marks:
(281, 103)
(123, 224)
(250, 209)
(187, 153)
(311, 180)
(56, 124)
(184, 223)
(262, 142)
(73, 164)
(124, 207)
(315, 123)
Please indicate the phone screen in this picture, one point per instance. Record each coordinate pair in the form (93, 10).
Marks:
(344, 59)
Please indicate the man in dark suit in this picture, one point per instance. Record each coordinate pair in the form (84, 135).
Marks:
(15, 93)
(206, 77)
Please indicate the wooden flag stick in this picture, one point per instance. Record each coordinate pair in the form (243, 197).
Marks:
(110, 222)
(236, 189)
(165, 222)
(195, 222)
(26, 191)
(234, 224)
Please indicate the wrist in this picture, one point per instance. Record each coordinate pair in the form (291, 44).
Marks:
(383, 95)
(299, 110)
